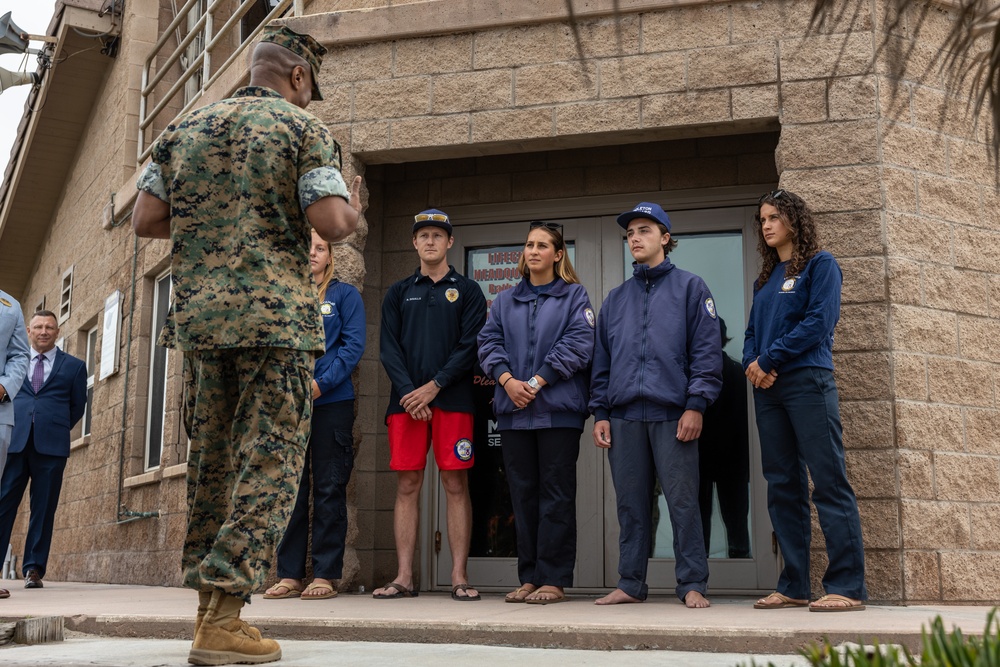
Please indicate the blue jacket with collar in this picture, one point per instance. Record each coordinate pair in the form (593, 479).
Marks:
(550, 335)
(792, 318)
(659, 348)
(429, 333)
(344, 324)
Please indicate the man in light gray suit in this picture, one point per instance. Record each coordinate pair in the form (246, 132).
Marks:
(13, 368)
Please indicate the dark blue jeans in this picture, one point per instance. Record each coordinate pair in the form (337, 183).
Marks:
(328, 466)
(541, 472)
(638, 450)
(798, 418)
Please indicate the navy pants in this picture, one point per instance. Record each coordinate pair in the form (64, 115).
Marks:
(541, 472)
(638, 450)
(798, 418)
(328, 465)
(46, 475)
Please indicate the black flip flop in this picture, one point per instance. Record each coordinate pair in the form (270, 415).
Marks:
(464, 598)
(401, 592)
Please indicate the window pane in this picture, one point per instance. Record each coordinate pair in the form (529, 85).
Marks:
(157, 375)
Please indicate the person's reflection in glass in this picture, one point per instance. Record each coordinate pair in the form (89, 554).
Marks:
(724, 458)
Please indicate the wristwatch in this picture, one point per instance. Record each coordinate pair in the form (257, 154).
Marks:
(533, 383)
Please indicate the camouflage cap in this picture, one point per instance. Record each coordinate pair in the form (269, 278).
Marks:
(303, 46)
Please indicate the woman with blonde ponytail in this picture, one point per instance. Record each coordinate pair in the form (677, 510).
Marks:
(330, 455)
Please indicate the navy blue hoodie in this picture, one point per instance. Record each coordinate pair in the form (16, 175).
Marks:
(792, 319)
(659, 348)
(550, 335)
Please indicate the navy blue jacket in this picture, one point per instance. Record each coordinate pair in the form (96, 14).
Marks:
(550, 335)
(55, 409)
(344, 323)
(792, 319)
(429, 333)
(659, 348)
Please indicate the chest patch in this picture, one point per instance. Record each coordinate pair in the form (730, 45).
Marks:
(788, 285)
(451, 294)
(326, 308)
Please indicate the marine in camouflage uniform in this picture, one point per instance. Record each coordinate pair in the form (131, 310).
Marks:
(238, 176)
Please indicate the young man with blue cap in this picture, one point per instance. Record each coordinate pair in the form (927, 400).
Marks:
(430, 322)
(657, 366)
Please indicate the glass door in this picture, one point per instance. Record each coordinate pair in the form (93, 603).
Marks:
(489, 255)
(720, 246)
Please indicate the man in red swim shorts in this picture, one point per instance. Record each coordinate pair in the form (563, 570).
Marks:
(430, 321)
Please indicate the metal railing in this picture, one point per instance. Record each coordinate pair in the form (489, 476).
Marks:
(203, 26)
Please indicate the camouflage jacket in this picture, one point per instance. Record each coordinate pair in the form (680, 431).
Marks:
(238, 175)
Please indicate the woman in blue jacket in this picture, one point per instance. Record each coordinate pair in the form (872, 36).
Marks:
(537, 343)
(330, 454)
(788, 357)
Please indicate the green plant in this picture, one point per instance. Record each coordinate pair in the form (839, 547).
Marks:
(938, 648)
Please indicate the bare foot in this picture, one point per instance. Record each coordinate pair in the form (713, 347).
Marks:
(695, 600)
(617, 596)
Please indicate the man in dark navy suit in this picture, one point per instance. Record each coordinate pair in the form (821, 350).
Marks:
(51, 401)
(13, 366)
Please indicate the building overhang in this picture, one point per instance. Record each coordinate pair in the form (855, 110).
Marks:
(56, 115)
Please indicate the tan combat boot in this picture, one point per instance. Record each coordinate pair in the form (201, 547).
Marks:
(223, 639)
(203, 600)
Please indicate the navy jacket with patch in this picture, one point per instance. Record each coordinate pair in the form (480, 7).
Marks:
(659, 349)
(793, 318)
(550, 335)
(429, 333)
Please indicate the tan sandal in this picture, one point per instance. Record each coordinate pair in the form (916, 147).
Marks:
(519, 594)
(310, 592)
(841, 603)
(557, 596)
(778, 601)
(281, 591)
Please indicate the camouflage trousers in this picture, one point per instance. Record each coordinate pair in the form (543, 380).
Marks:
(248, 413)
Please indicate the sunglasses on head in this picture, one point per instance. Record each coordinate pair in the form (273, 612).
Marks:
(773, 194)
(554, 226)
(436, 217)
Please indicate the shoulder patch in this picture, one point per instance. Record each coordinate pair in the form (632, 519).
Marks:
(588, 314)
(710, 308)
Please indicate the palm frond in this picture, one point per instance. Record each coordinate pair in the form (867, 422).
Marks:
(969, 56)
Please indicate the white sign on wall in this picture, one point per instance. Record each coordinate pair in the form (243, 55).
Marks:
(109, 334)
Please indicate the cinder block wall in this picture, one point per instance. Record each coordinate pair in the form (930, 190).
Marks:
(900, 180)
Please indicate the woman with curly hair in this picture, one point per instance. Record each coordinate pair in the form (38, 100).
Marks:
(788, 358)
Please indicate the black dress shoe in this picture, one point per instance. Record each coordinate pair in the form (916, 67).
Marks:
(32, 580)
(4, 593)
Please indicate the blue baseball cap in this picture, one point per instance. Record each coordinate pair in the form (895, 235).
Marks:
(645, 209)
(432, 218)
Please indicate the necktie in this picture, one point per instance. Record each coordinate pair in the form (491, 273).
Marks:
(38, 375)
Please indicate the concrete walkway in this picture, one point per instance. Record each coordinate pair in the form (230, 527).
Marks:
(731, 625)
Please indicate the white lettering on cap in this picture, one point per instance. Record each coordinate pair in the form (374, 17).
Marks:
(643, 209)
